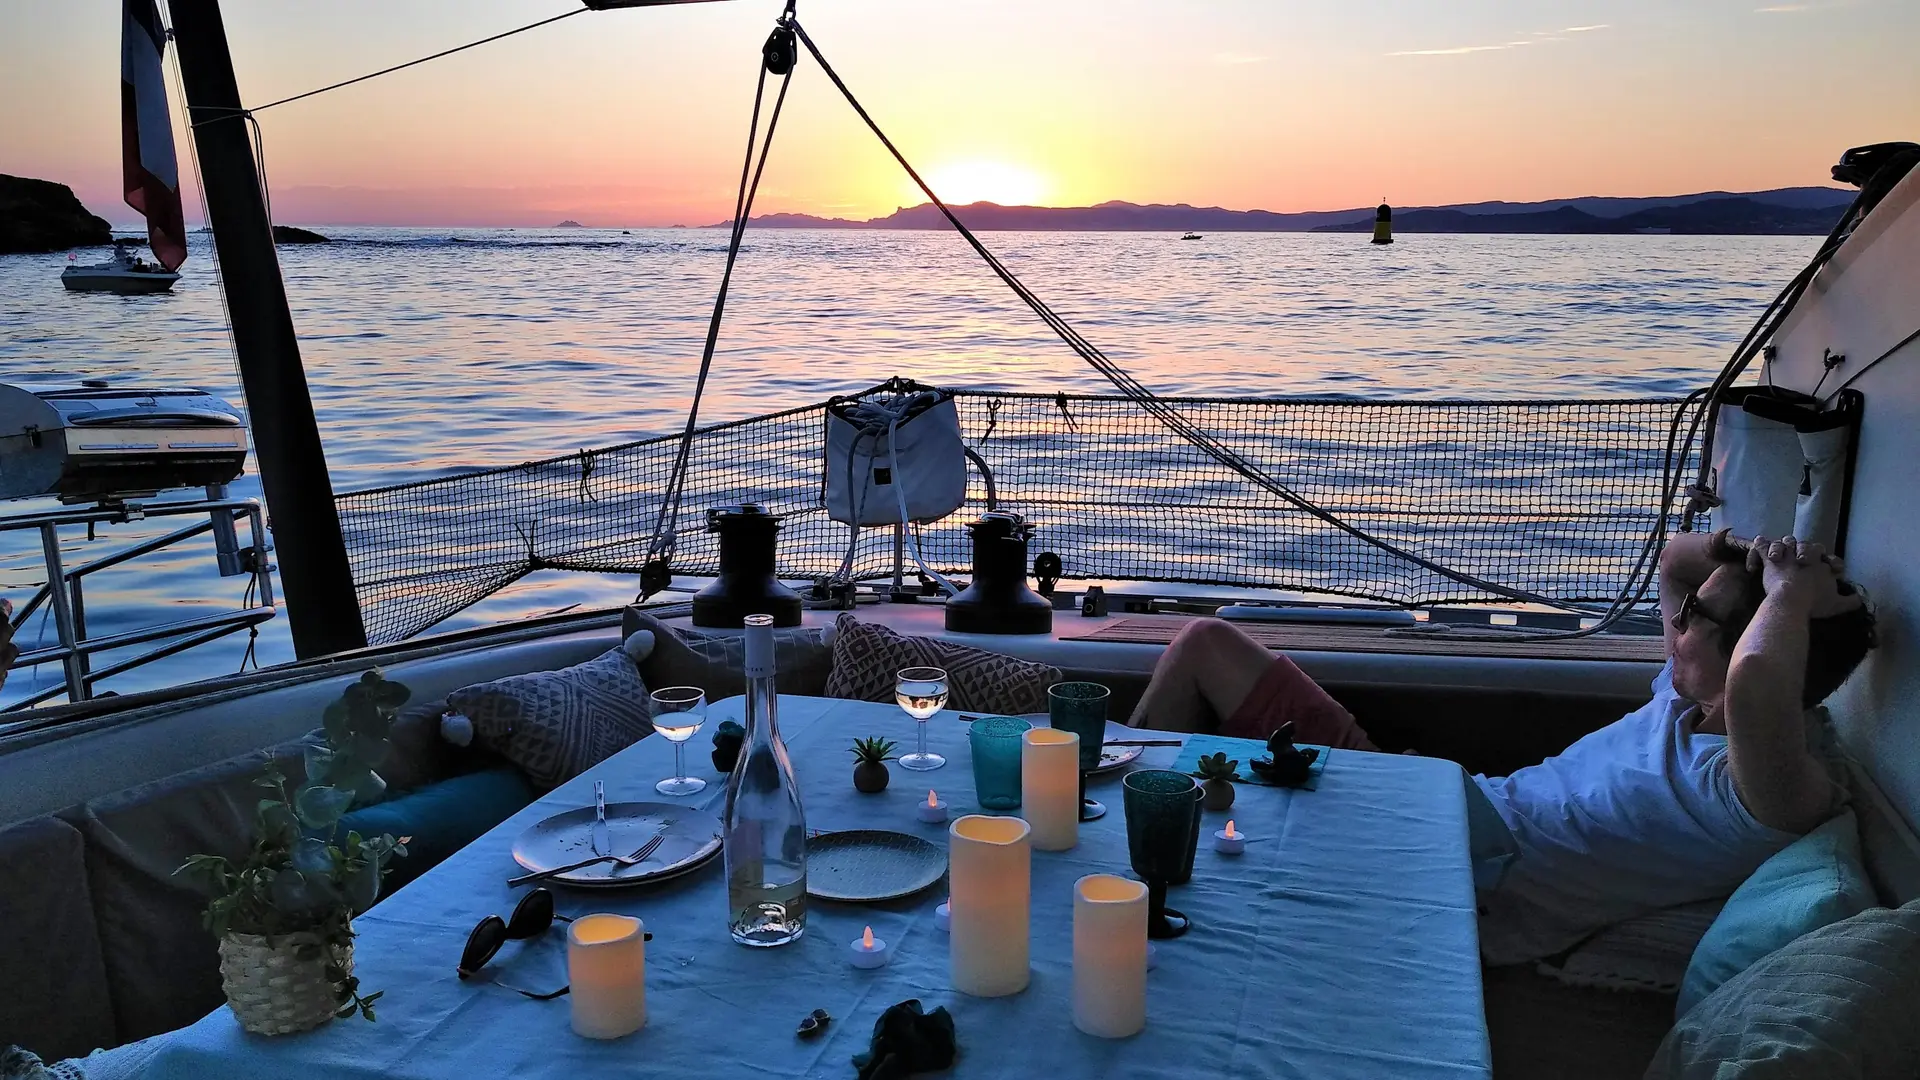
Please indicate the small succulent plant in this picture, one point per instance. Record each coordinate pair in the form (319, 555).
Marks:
(876, 750)
(1217, 775)
(870, 757)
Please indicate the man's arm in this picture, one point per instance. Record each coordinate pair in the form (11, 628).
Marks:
(1779, 780)
(1686, 563)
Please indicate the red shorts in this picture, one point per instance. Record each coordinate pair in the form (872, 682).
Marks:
(1286, 693)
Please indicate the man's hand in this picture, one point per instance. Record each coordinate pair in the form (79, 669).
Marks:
(1801, 574)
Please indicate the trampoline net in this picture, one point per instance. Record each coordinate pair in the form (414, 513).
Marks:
(1551, 497)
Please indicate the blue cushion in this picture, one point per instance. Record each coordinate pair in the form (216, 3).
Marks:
(441, 818)
(1813, 882)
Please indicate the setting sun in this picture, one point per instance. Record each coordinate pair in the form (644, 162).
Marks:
(985, 181)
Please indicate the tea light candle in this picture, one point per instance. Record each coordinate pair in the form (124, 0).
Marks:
(934, 809)
(991, 873)
(1228, 842)
(943, 916)
(1050, 787)
(607, 968)
(1109, 956)
(870, 951)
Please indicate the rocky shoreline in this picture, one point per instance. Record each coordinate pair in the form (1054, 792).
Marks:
(41, 216)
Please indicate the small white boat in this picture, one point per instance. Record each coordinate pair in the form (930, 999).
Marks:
(124, 273)
(1191, 236)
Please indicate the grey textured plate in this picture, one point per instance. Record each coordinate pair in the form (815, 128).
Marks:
(863, 865)
(692, 838)
(1111, 757)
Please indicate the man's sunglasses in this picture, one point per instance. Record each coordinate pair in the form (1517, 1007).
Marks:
(1690, 609)
(532, 916)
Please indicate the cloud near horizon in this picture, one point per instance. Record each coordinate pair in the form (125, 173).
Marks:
(1540, 37)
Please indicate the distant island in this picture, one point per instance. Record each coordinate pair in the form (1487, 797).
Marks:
(569, 224)
(40, 215)
(1779, 212)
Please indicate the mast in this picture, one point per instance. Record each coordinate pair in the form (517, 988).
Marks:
(315, 577)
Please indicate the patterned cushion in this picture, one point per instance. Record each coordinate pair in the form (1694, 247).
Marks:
(716, 662)
(1647, 953)
(555, 724)
(867, 656)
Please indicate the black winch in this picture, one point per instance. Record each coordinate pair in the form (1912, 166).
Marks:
(998, 601)
(747, 584)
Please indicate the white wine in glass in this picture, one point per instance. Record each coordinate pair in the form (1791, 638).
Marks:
(921, 692)
(678, 714)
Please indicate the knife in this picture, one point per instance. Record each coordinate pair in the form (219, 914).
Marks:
(602, 845)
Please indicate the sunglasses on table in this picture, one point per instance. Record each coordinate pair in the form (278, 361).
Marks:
(532, 916)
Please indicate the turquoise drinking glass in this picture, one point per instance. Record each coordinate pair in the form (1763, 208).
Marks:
(1081, 707)
(1161, 809)
(995, 745)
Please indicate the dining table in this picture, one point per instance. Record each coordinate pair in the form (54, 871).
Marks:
(1341, 942)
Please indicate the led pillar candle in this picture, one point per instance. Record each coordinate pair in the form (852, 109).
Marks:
(1050, 787)
(607, 968)
(991, 872)
(1109, 956)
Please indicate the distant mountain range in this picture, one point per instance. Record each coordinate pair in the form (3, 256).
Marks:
(1782, 211)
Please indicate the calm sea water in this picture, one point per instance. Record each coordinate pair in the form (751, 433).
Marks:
(433, 351)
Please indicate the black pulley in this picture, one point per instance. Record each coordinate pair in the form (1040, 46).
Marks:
(998, 600)
(746, 585)
(1046, 571)
(780, 52)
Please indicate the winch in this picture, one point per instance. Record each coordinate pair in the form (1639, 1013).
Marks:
(999, 601)
(746, 584)
(95, 442)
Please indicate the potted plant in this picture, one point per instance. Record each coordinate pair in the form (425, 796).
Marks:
(283, 914)
(870, 757)
(1217, 775)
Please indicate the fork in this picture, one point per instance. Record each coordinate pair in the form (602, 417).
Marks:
(639, 856)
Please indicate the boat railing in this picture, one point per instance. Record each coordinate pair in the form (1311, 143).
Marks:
(1556, 498)
(65, 590)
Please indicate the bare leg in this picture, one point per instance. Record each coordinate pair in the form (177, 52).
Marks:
(1202, 678)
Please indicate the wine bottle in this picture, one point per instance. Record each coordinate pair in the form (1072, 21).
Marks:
(765, 838)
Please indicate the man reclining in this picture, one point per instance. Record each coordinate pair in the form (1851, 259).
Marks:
(1678, 801)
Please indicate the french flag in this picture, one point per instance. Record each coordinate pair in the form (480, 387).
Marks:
(146, 133)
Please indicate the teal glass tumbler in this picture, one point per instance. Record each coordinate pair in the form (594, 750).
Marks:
(995, 745)
(1081, 707)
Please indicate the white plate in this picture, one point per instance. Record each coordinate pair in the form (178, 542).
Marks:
(692, 837)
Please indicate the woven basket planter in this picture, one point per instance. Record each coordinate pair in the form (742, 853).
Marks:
(271, 989)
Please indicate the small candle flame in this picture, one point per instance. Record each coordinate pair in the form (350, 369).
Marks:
(866, 939)
(1231, 835)
(931, 801)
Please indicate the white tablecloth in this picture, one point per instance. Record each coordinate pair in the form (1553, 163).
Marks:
(1342, 944)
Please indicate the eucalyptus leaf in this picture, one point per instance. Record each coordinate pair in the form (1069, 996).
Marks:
(321, 807)
(311, 855)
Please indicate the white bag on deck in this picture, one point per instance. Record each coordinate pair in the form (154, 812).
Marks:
(1781, 467)
(894, 458)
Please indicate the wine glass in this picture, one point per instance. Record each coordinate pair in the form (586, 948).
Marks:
(678, 713)
(1161, 810)
(921, 691)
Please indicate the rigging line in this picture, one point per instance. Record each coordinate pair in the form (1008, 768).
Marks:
(1138, 391)
(665, 526)
(1851, 379)
(398, 67)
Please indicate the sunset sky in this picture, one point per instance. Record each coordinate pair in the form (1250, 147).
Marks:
(633, 118)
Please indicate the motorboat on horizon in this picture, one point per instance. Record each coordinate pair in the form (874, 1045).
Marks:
(125, 273)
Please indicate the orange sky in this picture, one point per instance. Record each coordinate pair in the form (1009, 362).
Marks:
(638, 117)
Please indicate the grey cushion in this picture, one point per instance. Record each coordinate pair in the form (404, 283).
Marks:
(1838, 1003)
(54, 1000)
(867, 656)
(556, 724)
(418, 756)
(163, 967)
(1648, 953)
(716, 663)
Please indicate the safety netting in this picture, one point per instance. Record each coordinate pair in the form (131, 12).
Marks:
(1554, 498)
